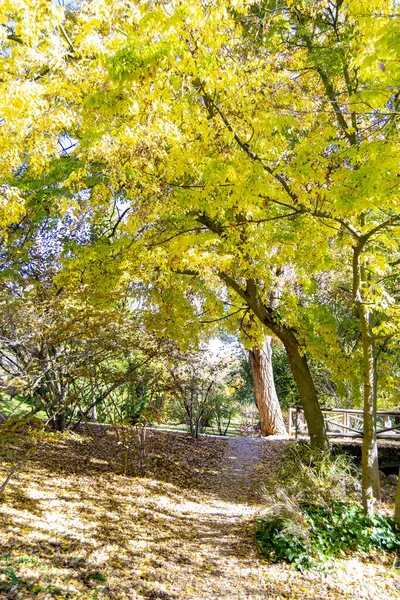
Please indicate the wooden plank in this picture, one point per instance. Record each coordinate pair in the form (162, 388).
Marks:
(359, 411)
(344, 426)
(396, 428)
(349, 435)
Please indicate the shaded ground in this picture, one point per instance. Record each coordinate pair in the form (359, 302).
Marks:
(70, 528)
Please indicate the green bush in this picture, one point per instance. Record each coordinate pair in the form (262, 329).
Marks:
(302, 530)
(326, 530)
(281, 539)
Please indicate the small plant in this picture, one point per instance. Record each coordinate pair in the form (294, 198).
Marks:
(281, 539)
(341, 527)
(93, 576)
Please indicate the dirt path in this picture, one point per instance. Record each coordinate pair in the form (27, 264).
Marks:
(237, 475)
(92, 536)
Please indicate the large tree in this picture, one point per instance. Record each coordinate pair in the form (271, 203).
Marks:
(134, 56)
(355, 194)
(244, 140)
(271, 418)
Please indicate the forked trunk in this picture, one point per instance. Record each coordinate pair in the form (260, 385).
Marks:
(298, 362)
(264, 390)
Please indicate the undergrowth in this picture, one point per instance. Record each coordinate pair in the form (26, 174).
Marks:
(317, 515)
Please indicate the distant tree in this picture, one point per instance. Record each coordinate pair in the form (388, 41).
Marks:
(192, 401)
(223, 407)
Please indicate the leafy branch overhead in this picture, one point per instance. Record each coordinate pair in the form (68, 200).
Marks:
(206, 163)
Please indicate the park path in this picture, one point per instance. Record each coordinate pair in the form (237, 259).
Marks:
(94, 534)
(215, 534)
(238, 469)
(215, 540)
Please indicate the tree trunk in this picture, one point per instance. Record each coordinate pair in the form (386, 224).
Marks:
(60, 420)
(92, 414)
(306, 388)
(298, 362)
(370, 468)
(300, 369)
(264, 390)
(397, 502)
(92, 410)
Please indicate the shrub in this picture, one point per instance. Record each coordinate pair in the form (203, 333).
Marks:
(306, 473)
(280, 539)
(315, 514)
(326, 530)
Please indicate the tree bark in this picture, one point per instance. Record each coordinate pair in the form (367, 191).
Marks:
(305, 386)
(397, 502)
(299, 366)
(370, 469)
(264, 390)
(369, 462)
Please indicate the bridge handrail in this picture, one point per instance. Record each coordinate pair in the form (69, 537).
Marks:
(293, 427)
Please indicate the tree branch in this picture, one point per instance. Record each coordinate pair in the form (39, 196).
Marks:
(226, 316)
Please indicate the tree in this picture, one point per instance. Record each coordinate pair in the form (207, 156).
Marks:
(330, 39)
(66, 347)
(264, 390)
(247, 140)
(192, 386)
(223, 408)
(125, 68)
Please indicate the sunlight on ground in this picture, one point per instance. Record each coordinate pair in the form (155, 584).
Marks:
(101, 535)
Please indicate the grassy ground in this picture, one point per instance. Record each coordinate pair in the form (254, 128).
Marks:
(235, 429)
(71, 527)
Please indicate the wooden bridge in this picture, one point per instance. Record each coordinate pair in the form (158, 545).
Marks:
(345, 422)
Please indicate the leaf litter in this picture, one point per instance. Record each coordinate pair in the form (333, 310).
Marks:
(78, 523)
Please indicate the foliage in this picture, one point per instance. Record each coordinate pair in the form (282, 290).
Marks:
(67, 348)
(306, 473)
(340, 526)
(283, 378)
(281, 540)
(331, 393)
(223, 408)
(244, 387)
(141, 396)
(192, 382)
(209, 388)
(315, 513)
(65, 360)
(327, 530)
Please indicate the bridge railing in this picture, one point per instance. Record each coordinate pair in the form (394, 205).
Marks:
(346, 422)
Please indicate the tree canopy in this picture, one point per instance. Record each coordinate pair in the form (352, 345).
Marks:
(226, 160)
